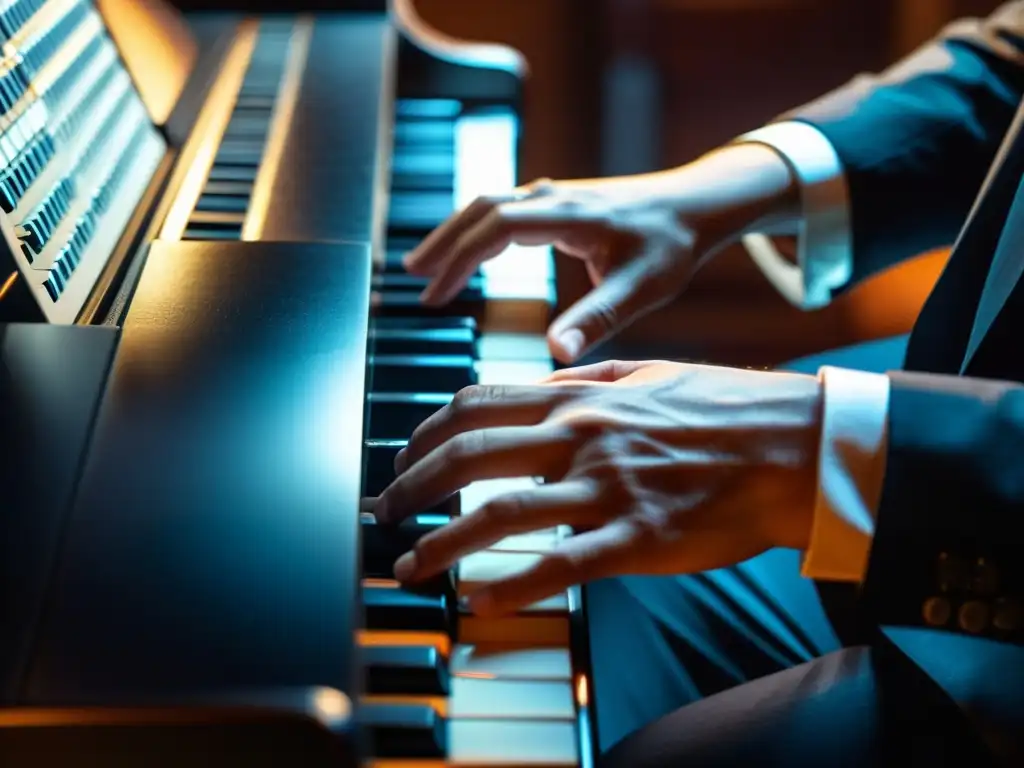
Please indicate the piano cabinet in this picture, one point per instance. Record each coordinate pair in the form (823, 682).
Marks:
(206, 321)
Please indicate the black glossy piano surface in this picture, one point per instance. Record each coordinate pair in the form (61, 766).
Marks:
(228, 364)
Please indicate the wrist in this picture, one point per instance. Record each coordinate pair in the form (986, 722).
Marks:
(735, 190)
(791, 518)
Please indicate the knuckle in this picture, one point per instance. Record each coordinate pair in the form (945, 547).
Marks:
(468, 397)
(502, 511)
(485, 203)
(539, 186)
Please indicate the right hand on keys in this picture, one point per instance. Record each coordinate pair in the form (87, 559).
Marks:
(641, 237)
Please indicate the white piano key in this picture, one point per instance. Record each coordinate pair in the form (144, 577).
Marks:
(501, 699)
(514, 346)
(475, 495)
(501, 661)
(501, 744)
(493, 743)
(484, 567)
(537, 541)
(512, 371)
(545, 623)
(485, 162)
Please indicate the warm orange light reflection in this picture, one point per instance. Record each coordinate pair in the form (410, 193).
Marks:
(381, 583)
(158, 50)
(331, 705)
(477, 675)
(8, 284)
(369, 639)
(582, 691)
(447, 48)
(438, 703)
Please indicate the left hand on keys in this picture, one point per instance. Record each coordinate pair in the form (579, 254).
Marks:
(659, 467)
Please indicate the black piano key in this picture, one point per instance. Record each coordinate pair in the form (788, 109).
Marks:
(237, 188)
(211, 233)
(413, 670)
(379, 460)
(425, 160)
(384, 544)
(217, 219)
(255, 101)
(393, 262)
(431, 109)
(404, 281)
(422, 341)
(404, 731)
(396, 608)
(436, 182)
(427, 373)
(396, 415)
(438, 134)
(241, 125)
(222, 203)
(233, 173)
(247, 154)
(419, 210)
(408, 304)
(418, 323)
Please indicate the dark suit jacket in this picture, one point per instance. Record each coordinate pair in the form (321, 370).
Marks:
(934, 153)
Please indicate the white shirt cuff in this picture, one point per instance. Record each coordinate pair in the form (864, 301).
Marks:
(824, 247)
(851, 466)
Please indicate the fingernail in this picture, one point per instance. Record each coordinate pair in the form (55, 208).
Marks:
(405, 566)
(572, 341)
(410, 259)
(380, 510)
(400, 461)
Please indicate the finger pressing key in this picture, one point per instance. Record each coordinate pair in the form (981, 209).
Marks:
(425, 259)
(543, 507)
(480, 407)
(578, 559)
(480, 455)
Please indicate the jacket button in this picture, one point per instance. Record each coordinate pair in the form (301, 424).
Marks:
(936, 611)
(974, 616)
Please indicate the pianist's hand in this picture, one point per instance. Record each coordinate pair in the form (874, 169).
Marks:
(642, 237)
(660, 468)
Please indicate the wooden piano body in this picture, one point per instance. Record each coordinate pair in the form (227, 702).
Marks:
(209, 354)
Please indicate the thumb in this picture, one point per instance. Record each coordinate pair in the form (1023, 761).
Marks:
(640, 286)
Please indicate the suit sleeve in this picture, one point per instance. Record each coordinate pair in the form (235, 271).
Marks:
(916, 141)
(946, 546)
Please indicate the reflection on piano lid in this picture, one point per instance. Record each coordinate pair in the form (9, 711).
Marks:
(233, 207)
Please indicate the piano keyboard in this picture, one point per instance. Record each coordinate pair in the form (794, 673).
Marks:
(178, 430)
(496, 692)
(224, 200)
(77, 149)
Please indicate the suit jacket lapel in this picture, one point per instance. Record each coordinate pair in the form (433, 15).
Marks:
(942, 332)
(1003, 275)
(1007, 264)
